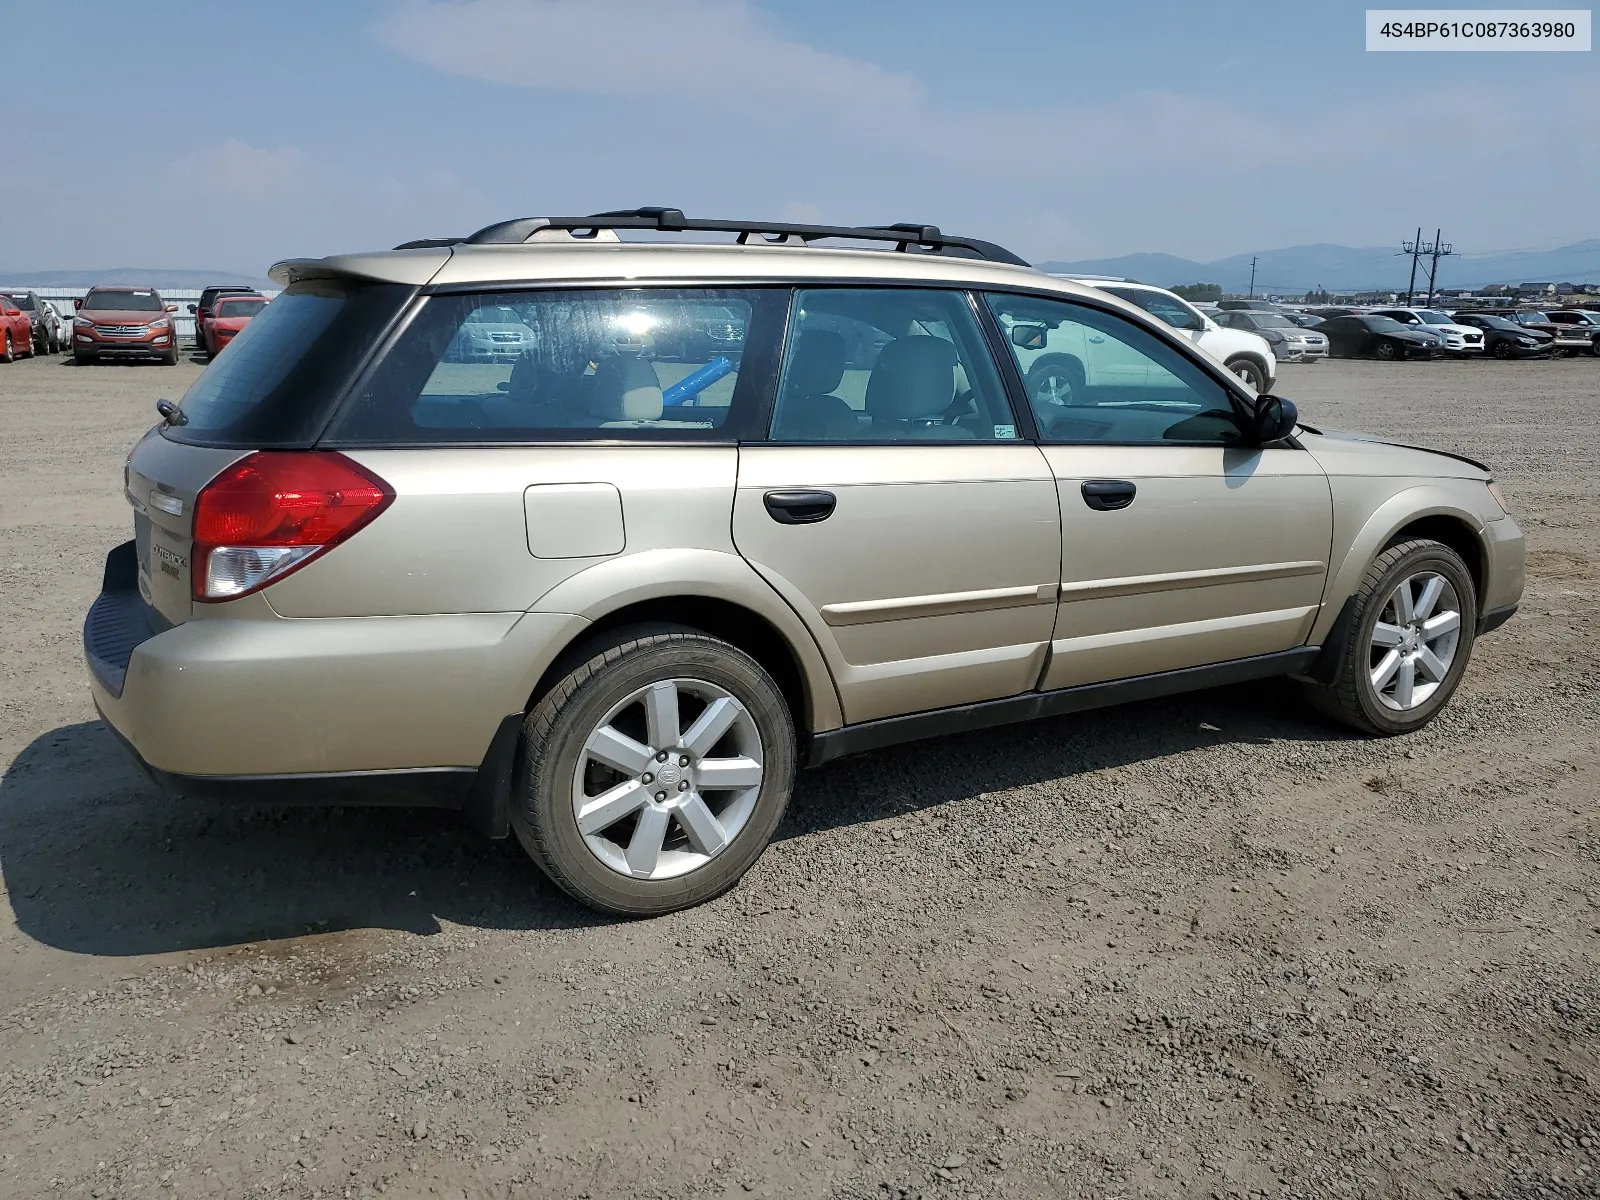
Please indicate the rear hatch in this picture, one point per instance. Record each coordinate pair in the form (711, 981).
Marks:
(274, 390)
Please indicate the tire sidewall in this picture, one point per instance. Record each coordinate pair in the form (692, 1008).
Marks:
(1442, 561)
(543, 814)
(1257, 379)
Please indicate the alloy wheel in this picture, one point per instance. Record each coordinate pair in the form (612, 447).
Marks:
(668, 779)
(1414, 641)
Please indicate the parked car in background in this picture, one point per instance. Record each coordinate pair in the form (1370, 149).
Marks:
(16, 331)
(43, 320)
(1564, 339)
(1506, 339)
(1251, 305)
(1303, 319)
(124, 322)
(1453, 338)
(493, 334)
(1583, 319)
(1246, 354)
(229, 316)
(208, 300)
(1290, 342)
(1368, 336)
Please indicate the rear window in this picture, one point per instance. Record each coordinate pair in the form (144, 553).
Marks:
(124, 302)
(282, 375)
(240, 308)
(24, 302)
(614, 364)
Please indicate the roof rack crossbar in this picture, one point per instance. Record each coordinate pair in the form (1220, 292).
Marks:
(906, 237)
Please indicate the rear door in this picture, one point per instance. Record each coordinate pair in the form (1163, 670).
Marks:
(1180, 546)
(896, 507)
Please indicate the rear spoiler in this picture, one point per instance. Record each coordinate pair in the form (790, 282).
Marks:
(416, 267)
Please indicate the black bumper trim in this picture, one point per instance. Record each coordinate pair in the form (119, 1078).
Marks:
(118, 621)
(872, 735)
(1494, 618)
(422, 787)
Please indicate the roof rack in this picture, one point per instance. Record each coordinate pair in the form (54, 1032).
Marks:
(907, 237)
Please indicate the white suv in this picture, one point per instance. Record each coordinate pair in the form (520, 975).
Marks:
(1247, 355)
(1453, 338)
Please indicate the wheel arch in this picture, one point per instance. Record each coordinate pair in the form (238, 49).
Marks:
(1424, 511)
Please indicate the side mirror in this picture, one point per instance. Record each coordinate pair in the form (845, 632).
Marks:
(172, 308)
(1029, 337)
(77, 302)
(1272, 419)
(192, 308)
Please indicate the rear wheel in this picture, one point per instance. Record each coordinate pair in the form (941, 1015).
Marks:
(1056, 379)
(655, 772)
(1401, 646)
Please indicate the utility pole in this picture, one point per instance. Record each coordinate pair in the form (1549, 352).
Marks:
(1413, 248)
(1253, 275)
(1439, 250)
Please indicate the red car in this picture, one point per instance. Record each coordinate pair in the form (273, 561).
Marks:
(124, 322)
(231, 314)
(16, 331)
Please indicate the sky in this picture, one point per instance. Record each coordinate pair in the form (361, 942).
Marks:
(190, 135)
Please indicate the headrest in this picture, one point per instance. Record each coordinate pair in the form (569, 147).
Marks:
(625, 389)
(915, 377)
(817, 365)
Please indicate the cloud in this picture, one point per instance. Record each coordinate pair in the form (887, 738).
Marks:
(722, 52)
(239, 170)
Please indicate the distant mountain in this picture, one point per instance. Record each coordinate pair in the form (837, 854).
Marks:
(138, 276)
(1348, 268)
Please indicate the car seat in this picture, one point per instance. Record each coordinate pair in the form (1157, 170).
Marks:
(808, 411)
(912, 388)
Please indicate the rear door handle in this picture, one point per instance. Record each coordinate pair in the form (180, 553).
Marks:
(1108, 495)
(800, 507)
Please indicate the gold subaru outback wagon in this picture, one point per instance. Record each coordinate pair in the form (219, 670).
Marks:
(729, 507)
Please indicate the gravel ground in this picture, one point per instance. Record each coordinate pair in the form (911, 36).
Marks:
(1208, 946)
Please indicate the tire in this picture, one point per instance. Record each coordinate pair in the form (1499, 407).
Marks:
(1503, 350)
(1354, 696)
(7, 354)
(170, 358)
(604, 697)
(1387, 351)
(1056, 379)
(1252, 376)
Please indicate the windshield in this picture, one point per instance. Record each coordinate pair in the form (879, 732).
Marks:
(123, 302)
(240, 308)
(1430, 317)
(1533, 318)
(281, 375)
(1384, 325)
(1498, 323)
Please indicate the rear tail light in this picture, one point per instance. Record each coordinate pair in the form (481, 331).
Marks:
(271, 513)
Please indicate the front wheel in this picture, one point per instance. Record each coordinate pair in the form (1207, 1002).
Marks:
(1401, 645)
(655, 772)
(1387, 351)
(1056, 379)
(7, 354)
(1251, 375)
(1503, 350)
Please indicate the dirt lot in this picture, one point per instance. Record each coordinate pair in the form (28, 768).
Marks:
(1203, 947)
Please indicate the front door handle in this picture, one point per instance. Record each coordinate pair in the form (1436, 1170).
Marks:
(1108, 495)
(800, 507)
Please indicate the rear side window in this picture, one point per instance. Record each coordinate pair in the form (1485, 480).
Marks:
(283, 374)
(622, 363)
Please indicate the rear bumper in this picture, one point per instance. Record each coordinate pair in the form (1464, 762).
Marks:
(259, 703)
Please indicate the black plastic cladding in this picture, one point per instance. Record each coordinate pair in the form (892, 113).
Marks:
(908, 237)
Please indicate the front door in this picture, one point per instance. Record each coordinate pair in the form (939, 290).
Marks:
(1181, 546)
(897, 510)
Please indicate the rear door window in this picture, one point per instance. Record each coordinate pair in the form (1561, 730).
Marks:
(622, 363)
